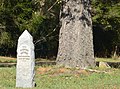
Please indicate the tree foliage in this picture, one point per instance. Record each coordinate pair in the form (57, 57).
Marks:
(41, 18)
(33, 15)
(106, 20)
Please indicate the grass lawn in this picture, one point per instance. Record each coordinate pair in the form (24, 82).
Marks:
(51, 77)
(62, 78)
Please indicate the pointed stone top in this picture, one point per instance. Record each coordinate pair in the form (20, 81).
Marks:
(25, 38)
(25, 35)
(25, 31)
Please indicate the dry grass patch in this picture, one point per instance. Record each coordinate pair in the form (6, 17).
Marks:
(61, 71)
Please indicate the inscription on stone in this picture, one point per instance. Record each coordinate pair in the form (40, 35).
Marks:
(25, 61)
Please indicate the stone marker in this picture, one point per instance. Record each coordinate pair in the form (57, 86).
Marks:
(25, 61)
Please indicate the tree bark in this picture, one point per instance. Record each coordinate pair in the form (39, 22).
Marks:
(76, 37)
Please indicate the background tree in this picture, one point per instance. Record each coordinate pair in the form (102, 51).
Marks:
(106, 20)
(41, 18)
(75, 38)
(38, 17)
(45, 25)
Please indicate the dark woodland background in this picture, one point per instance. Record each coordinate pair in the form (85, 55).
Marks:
(41, 19)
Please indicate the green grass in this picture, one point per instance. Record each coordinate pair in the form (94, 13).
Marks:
(50, 80)
(7, 78)
(107, 60)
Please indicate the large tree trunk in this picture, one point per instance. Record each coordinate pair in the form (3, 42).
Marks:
(76, 38)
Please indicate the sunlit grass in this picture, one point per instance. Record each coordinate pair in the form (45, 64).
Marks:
(64, 80)
(7, 59)
(107, 60)
(52, 77)
(13, 60)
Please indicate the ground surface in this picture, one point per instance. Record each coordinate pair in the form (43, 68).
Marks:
(62, 78)
(52, 77)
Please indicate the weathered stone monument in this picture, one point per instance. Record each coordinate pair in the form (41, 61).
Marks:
(25, 61)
